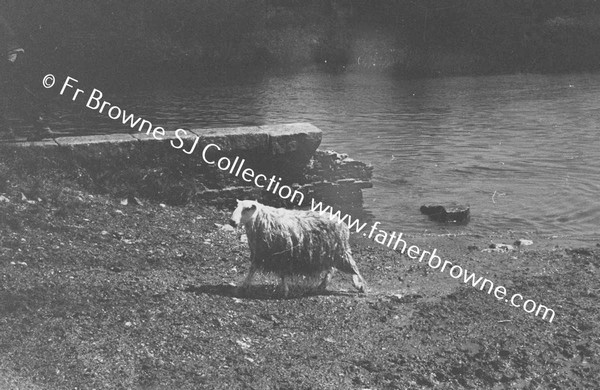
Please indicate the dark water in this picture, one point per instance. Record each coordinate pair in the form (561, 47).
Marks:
(523, 151)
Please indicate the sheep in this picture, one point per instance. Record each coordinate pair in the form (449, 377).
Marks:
(294, 242)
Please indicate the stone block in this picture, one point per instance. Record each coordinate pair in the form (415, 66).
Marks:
(88, 140)
(298, 138)
(46, 143)
(168, 148)
(238, 140)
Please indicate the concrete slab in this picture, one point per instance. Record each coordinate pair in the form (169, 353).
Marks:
(46, 143)
(238, 139)
(291, 128)
(168, 136)
(95, 139)
(301, 138)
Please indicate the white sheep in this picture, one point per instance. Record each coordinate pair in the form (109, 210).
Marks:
(294, 242)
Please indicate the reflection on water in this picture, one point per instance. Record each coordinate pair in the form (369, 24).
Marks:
(522, 150)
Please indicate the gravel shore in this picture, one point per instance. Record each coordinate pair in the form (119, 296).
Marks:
(99, 292)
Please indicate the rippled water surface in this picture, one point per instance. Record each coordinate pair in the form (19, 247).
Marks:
(523, 151)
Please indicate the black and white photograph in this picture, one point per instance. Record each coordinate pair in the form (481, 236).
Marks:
(299, 194)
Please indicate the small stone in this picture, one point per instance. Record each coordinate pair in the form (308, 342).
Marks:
(228, 228)
(523, 242)
(499, 248)
(128, 324)
(24, 199)
(218, 322)
(104, 233)
(136, 201)
(397, 297)
(244, 238)
(243, 344)
(4, 199)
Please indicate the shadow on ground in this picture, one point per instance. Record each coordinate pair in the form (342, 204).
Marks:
(262, 292)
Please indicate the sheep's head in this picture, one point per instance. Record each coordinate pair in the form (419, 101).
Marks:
(244, 212)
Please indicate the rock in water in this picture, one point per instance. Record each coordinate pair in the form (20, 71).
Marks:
(447, 213)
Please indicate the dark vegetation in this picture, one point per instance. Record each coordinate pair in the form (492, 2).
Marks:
(146, 40)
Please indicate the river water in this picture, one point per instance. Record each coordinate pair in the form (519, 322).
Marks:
(522, 150)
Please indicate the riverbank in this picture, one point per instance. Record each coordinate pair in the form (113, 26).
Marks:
(99, 292)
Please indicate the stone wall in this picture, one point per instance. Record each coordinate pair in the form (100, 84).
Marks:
(337, 180)
(170, 167)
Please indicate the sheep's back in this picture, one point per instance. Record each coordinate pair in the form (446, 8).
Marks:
(296, 242)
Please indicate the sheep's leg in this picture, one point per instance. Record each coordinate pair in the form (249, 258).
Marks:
(357, 278)
(284, 286)
(250, 276)
(326, 279)
(359, 283)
